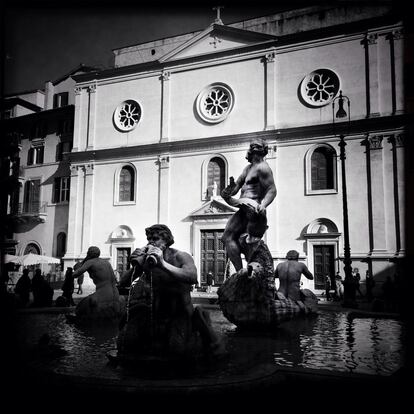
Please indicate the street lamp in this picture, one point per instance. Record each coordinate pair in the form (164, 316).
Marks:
(349, 286)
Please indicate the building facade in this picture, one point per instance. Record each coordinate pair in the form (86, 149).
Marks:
(40, 124)
(158, 136)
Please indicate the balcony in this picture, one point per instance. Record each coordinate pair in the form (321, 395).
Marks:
(35, 211)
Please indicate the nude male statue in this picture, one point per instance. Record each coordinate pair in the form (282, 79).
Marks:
(105, 300)
(171, 273)
(257, 191)
(289, 274)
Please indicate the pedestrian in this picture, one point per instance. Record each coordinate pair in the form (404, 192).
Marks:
(68, 287)
(23, 289)
(357, 280)
(369, 284)
(339, 287)
(42, 291)
(328, 287)
(80, 281)
(210, 281)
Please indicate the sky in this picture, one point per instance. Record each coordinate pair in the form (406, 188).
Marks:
(43, 40)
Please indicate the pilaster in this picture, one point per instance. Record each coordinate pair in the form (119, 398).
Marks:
(165, 102)
(87, 211)
(75, 209)
(397, 142)
(374, 146)
(270, 73)
(163, 164)
(92, 95)
(371, 68)
(77, 127)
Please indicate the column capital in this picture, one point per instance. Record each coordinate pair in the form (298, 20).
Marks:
(397, 34)
(270, 57)
(397, 140)
(92, 88)
(165, 75)
(375, 142)
(272, 151)
(74, 170)
(78, 90)
(371, 39)
(88, 169)
(163, 161)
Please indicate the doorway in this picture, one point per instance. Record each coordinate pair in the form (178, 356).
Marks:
(323, 264)
(213, 256)
(122, 264)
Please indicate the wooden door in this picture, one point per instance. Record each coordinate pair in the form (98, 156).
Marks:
(122, 254)
(324, 264)
(213, 256)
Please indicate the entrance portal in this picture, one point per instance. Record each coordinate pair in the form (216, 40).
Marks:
(122, 254)
(213, 256)
(323, 264)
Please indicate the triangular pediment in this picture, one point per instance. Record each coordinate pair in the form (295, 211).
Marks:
(213, 208)
(214, 39)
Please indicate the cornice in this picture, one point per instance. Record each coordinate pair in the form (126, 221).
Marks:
(343, 30)
(278, 136)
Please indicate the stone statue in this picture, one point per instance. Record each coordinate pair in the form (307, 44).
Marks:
(248, 298)
(257, 191)
(105, 302)
(289, 274)
(161, 320)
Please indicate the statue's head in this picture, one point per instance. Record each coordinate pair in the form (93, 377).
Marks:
(292, 255)
(93, 252)
(160, 230)
(257, 146)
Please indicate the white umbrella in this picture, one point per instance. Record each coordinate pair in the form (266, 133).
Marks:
(11, 258)
(33, 259)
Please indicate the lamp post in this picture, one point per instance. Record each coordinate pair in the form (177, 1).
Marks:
(349, 285)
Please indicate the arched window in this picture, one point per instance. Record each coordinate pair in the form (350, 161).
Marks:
(61, 244)
(126, 184)
(32, 248)
(216, 173)
(321, 170)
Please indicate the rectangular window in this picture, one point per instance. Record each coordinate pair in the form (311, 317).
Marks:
(35, 155)
(61, 191)
(60, 99)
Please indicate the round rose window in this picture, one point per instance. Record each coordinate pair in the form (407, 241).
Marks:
(127, 115)
(319, 87)
(215, 102)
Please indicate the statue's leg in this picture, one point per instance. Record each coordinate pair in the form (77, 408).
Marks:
(234, 254)
(234, 228)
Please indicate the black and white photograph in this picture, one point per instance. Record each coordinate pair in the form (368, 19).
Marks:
(206, 205)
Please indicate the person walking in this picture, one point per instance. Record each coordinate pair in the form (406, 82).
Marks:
(357, 280)
(80, 282)
(210, 281)
(369, 284)
(328, 287)
(42, 291)
(23, 289)
(68, 287)
(339, 287)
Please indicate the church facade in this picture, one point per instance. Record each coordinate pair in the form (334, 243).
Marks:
(157, 137)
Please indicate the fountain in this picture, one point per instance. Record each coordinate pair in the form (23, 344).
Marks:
(162, 347)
